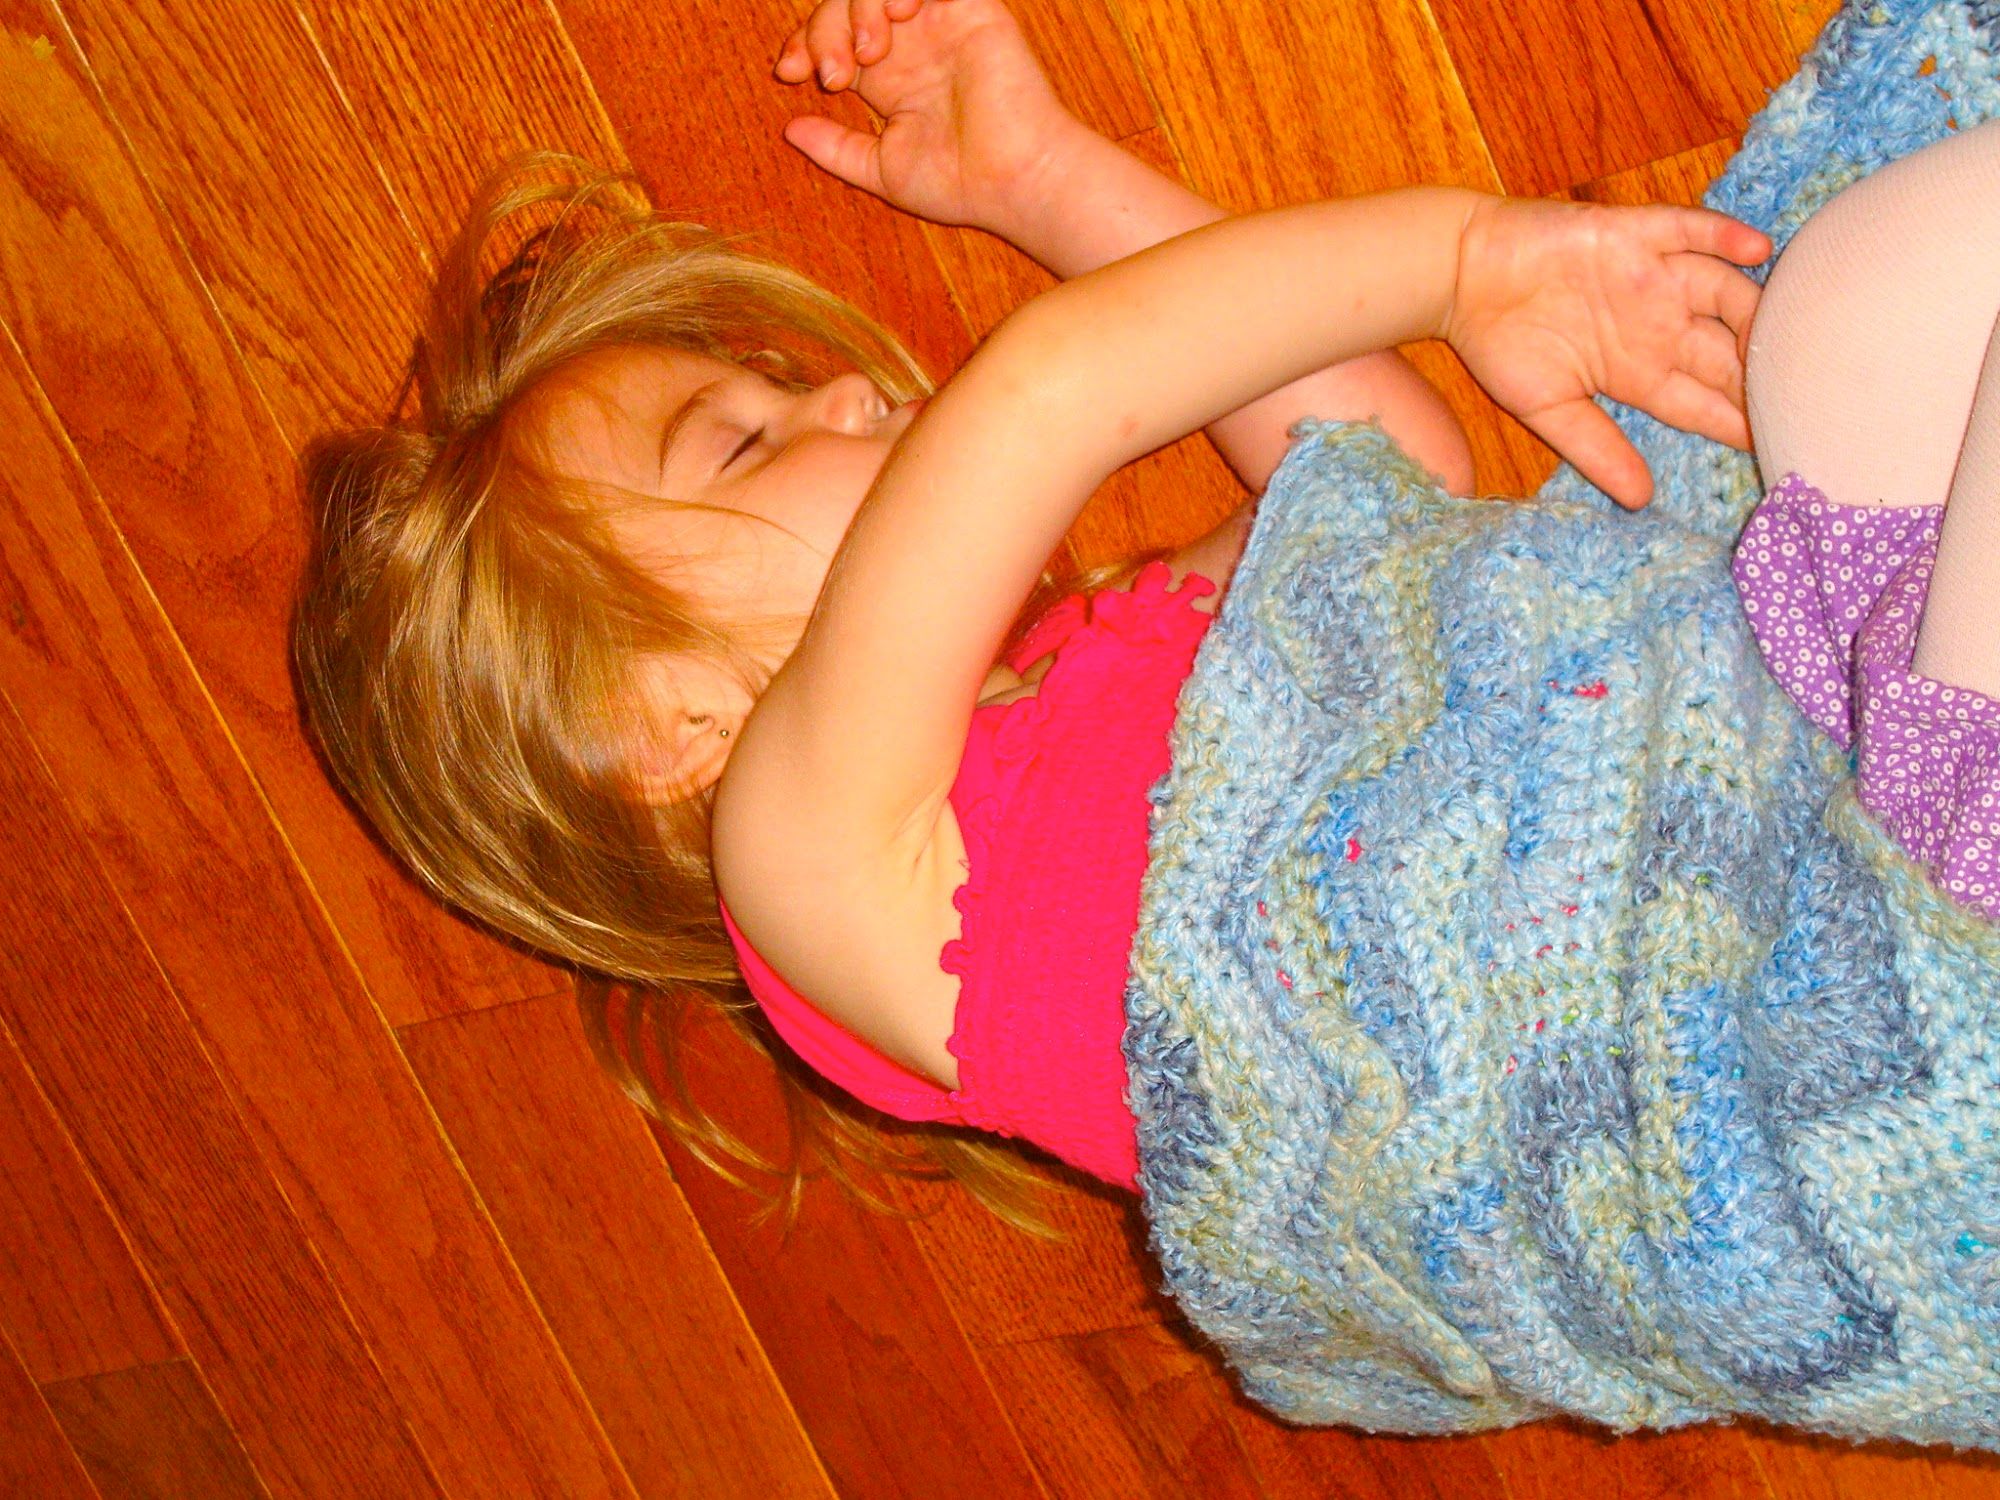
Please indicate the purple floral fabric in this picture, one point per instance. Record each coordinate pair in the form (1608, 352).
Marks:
(1835, 594)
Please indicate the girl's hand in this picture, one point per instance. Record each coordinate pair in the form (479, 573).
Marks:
(1558, 301)
(969, 122)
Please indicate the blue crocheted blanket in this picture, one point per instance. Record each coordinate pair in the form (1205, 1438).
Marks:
(1525, 1017)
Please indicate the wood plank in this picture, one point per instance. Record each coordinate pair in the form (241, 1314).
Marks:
(1131, 1412)
(601, 1231)
(1303, 1463)
(1150, 1412)
(1083, 50)
(1568, 92)
(1270, 104)
(1013, 1288)
(149, 777)
(36, 1460)
(77, 1302)
(159, 1132)
(153, 1431)
(443, 93)
(862, 1335)
(1681, 178)
(269, 185)
(183, 448)
(1559, 1460)
(1803, 1466)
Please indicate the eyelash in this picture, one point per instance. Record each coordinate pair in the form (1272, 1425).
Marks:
(744, 447)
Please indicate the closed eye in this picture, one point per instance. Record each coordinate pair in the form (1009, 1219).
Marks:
(744, 447)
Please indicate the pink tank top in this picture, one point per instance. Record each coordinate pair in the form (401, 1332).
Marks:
(1051, 796)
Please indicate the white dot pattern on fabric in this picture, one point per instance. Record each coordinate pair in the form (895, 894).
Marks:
(1835, 594)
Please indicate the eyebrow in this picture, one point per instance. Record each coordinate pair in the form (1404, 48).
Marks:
(693, 407)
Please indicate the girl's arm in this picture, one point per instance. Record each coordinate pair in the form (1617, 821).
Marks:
(973, 134)
(858, 737)
(1094, 202)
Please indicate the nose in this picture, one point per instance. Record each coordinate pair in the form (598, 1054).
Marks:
(848, 403)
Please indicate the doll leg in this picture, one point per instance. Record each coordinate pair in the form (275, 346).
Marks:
(1873, 326)
(1959, 640)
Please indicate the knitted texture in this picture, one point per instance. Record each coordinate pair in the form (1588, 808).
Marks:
(1525, 1018)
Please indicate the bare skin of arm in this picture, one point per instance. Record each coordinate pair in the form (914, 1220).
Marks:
(1091, 202)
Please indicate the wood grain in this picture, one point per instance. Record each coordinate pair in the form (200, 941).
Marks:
(1294, 1463)
(153, 1433)
(1570, 90)
(291, 1056)
(443, 92)
(76, 1301)
(864, 1337)
(36, 1460)
(612, 1255)
(1130, 1412)
(1558, 1460)
(162, 1136)
(1023, 1288)
(182, 447)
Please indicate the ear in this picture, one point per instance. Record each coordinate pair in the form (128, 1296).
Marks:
(695, 712)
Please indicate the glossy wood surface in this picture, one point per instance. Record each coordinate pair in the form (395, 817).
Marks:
(307, 1187)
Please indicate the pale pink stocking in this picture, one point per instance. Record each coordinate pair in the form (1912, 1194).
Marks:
(1869, 373)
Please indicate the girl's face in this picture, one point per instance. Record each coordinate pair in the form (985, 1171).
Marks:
(674, 425)
(689, 427)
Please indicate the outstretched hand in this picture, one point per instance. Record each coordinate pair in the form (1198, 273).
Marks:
(968, 119)
(1557, 302)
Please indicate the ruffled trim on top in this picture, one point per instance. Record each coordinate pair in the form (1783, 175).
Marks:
(1078, 628)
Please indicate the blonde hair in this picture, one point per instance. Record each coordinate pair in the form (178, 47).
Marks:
(467, 633)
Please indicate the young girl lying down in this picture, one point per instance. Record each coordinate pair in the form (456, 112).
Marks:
(699, 664)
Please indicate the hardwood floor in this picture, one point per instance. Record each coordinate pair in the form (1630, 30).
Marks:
(308, 1188)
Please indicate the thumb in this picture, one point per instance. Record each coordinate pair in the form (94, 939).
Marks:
(854, 156)
(1583, 432)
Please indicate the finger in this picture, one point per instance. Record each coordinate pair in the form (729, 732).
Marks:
(1684, 402)
(828, 38)
(902, 10)
(1707, 232)
(1717, 291)
(854, 156)
(1582, 432)
(1708, 352)
(871, 31)
(794, 63)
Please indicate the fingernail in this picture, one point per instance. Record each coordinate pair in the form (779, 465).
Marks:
(862, 38)
(826, 72)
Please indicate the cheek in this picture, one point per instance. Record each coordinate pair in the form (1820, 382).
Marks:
(663, 539)
(825, 497)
